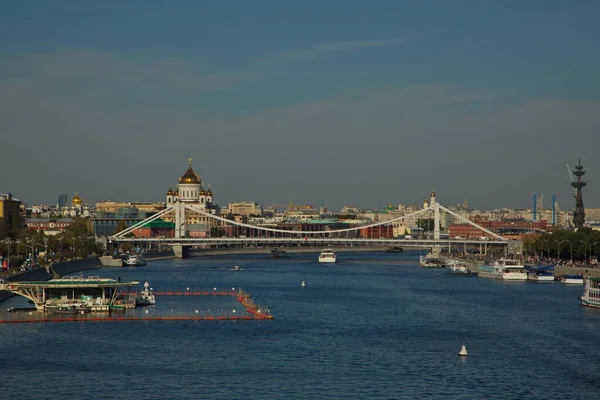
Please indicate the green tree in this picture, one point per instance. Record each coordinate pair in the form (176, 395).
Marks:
(121, 226)
(427, 224)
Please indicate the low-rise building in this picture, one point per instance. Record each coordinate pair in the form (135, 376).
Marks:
(157, 228)
(246, 208)
(50, 226)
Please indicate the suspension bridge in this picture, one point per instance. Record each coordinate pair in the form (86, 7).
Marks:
(221, 231)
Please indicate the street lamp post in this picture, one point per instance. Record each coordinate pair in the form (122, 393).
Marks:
(591, 245)
(558, 243)
(571, 243)
(60, 239)
(45, 248)
(8, 243)
(584, 250)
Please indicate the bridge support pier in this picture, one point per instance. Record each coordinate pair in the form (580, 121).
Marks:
(181, 251)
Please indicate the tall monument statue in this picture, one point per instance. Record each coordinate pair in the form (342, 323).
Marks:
(579, 213)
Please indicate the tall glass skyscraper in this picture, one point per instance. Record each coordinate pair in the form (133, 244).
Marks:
(62, 200)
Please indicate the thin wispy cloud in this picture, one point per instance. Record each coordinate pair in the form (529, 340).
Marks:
(323, 50)
(108, 69)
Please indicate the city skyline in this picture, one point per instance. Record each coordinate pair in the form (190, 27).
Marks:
(357, 104)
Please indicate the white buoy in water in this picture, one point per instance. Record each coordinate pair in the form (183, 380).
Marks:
(463, 351)
(303, 284)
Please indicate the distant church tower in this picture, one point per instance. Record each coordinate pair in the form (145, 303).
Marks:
(579, 213)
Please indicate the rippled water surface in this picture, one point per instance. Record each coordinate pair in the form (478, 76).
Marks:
(372, 326)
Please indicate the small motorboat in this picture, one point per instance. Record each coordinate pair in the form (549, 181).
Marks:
(145, 297)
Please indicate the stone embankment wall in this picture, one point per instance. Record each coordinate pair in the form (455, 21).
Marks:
(591, 272)
(291, 250)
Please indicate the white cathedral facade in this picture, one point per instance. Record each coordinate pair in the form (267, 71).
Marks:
(190, 190)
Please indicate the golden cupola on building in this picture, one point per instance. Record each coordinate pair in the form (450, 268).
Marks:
(189, 186)
(190, 177)
(76, 200)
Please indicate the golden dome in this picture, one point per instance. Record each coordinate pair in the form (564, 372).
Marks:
(202, 192)
(170, 191)
(190, 177)
(209, 191)
(76, 199)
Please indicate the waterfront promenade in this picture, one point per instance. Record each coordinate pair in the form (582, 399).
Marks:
(561, 267)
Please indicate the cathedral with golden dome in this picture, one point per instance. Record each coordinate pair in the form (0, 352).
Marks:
(190, 190)
(77, 208)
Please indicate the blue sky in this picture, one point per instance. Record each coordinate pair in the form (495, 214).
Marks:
(367, 103)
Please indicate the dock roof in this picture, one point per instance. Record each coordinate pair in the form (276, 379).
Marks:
(73, 283)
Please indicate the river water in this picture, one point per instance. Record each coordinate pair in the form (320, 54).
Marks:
(372, 326)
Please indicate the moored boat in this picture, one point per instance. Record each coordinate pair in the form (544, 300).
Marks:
(277, 253)
(327, 256)
(540, 276)
(591, 293)
(572, 279)
(458, 267)
(431, 261)
(505, 269)
(394, 249)
(540, 273)
(135, 260)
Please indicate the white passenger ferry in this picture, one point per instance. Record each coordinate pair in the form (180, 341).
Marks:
(591, 293)
(135, 260)
(506, 269)
(327, 256)
(458, 267)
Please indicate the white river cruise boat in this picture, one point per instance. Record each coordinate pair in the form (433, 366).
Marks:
(327, 256)
(591, 293)
(506, 269)
(458, 267)
(135, 260)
